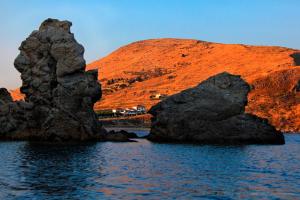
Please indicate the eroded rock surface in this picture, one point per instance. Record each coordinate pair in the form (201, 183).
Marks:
(15, 117)
(5, 96)
(59, 93)
(211, 113)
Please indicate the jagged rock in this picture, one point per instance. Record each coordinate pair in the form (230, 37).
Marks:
(59, 93)
(211, 113)
(5, 96)
(14, 116)
(118, 136)
(130, 135)
(296, 57)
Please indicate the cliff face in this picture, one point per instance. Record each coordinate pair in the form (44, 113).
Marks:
(131, 74)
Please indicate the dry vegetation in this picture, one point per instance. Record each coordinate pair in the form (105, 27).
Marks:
(131, 74)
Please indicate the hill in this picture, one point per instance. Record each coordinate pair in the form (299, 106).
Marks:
(133, 73)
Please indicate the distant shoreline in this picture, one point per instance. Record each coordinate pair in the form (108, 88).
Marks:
(138, 122)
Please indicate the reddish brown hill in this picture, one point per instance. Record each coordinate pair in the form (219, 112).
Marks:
(133, 73)
(276, 96)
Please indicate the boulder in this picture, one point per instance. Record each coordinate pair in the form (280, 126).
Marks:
(211, 113)
(117, 136)
(129, 134)
(59, 93)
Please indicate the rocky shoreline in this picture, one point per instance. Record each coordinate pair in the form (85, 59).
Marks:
(60, 95)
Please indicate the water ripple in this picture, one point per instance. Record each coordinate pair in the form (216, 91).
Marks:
(145, 170)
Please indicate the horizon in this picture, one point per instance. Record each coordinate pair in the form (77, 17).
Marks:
(103, 26)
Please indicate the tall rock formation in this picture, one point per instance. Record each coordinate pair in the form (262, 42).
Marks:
(56, 86)
(211, 113)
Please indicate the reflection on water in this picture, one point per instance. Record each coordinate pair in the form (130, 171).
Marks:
(145, 170)
(52, 167)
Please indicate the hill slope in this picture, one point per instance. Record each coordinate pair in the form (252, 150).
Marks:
(131, 74)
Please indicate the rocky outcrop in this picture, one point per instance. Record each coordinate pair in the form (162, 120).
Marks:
(296, 57)
(59, 93)
(5, 96)
(14, 116)
(120, 136)
(130, 135)
(211, 113)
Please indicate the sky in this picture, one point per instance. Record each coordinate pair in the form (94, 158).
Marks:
(102, 26)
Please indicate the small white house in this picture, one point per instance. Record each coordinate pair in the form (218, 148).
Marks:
(141, 109)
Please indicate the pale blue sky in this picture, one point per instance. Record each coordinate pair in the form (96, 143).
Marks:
(104, 25)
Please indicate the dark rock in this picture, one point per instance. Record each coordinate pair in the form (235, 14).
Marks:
(297, 87)
(14, 116)
(296, 57)
(211, 113)
(117, 136)
(5, 96)
(128, 134)
(59, 93)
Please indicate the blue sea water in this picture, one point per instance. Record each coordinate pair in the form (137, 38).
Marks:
(145, 170)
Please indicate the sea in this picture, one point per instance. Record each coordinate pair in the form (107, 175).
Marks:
(146, 170)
